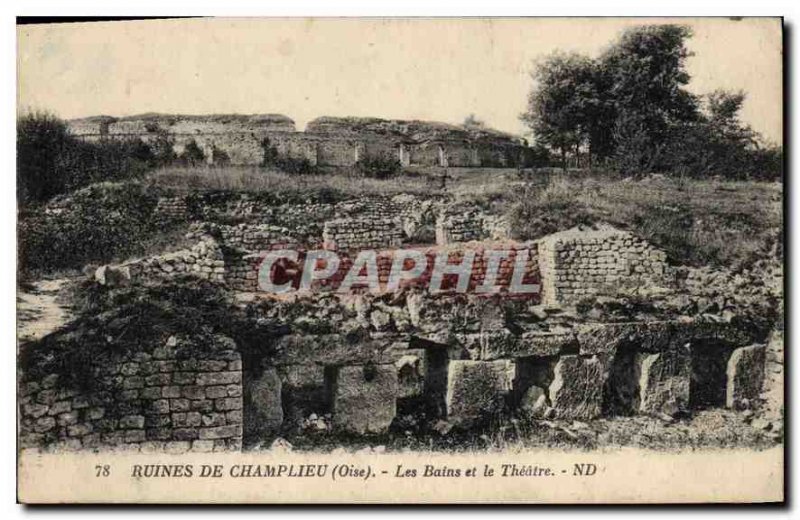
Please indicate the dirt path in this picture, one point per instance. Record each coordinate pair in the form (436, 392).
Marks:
(38, 311)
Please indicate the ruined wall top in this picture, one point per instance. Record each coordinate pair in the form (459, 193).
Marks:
(411, 130)
(182, 124)
(370, 128)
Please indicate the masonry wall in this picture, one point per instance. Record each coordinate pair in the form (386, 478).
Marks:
(242, 272)
(470, 226)
(336, 152)
(203, 260)
(296, 145)
(580, 264)
(240, 143)
(600, 370)
(461, 155)
(170, 210)
(161, 400)
(426, 154)
(361, 233)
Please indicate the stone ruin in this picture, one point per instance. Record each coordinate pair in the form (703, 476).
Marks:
(357, 363)
(327, 141)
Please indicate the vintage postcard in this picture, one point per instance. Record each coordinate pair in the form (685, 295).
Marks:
(423, 260)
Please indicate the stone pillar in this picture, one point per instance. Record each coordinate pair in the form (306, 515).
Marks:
(577, 388)
(664, 381)
(404, 156)
(476, 388)
(442, 156)
(364, 398)
(264, 406)
(745, 373)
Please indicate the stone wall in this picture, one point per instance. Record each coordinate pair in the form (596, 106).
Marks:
(252, 238)
(578, 264)
(166, 399)
(465, 227)
(204, 260)
(335, 151)
(170, 210)
(469, 226)
(242, 271)
(239, 140)
(657, 368)
(362, 233)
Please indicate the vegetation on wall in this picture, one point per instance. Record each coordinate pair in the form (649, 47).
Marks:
(93, 224)
(378, 167)
(112, 323)
(288, 164)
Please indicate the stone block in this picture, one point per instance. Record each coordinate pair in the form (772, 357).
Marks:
(325, 349)
(220, 432)
(219, 378)
(185, 434)
(228, 403)
(745, 373)
(202, 446)
(664, 382)
(577, 388)
(476, 388)
(504, 344)
(132, 421)
(364, 397)
(35, 410)
(263, 393)
(152, 392)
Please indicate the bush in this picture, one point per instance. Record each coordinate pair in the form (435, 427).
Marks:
(539, 211)
(297, 166)
(113, 323)
(94, 224)
(701, 150)
(294, 165)
(191, 155)
(51, 161)
(378, 167)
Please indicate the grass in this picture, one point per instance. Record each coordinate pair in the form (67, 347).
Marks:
(704, 429)
(252, 179)
(697, 222)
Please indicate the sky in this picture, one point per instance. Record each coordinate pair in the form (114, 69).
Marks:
(433, 69)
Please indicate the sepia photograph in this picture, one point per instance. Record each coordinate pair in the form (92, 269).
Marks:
(400, 260)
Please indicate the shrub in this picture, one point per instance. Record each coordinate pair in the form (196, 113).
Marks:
(294, 165)
(44, 162)
(539, 211)
(378, 167)
(94, 224)
(113, 323)
(51, 161)
(191, 155)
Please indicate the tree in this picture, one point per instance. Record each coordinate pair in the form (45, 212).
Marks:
(563, 106)
(718, 143)
(43, 151)
(645, 75)
(634, 90)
